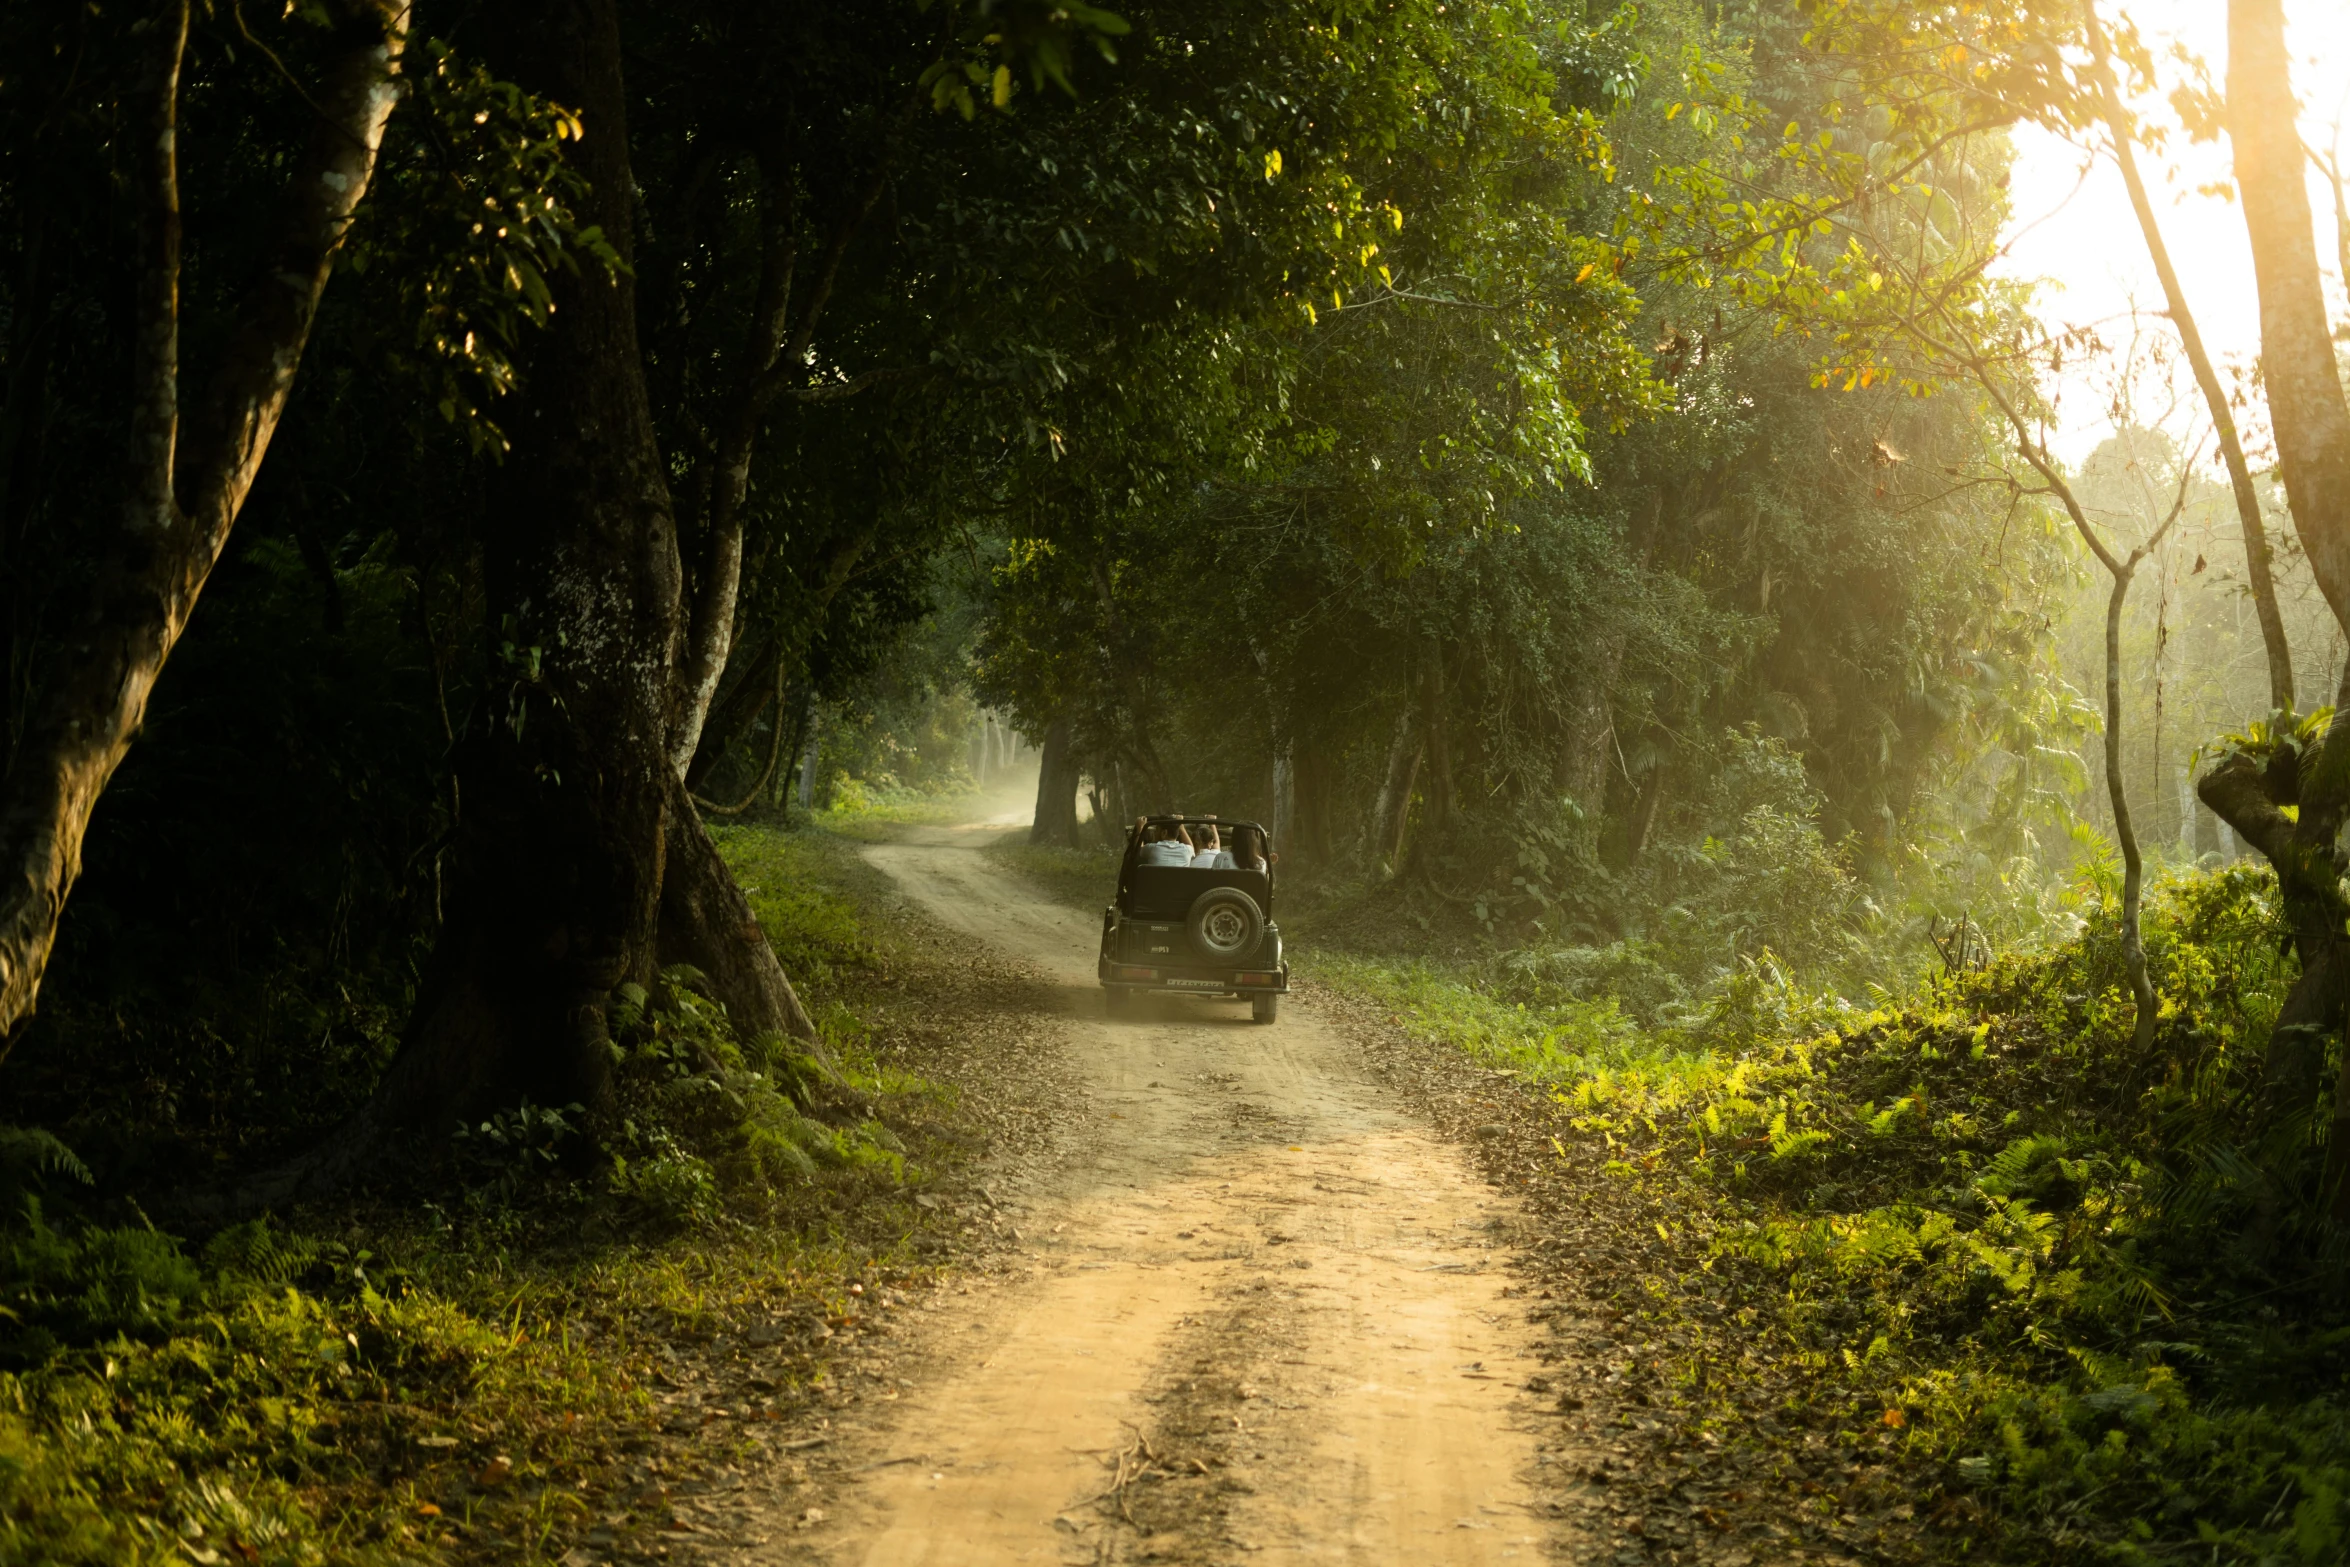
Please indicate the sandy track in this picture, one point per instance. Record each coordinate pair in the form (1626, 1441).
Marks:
(1257, 1293)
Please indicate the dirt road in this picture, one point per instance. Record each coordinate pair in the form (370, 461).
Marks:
(1262, 1316)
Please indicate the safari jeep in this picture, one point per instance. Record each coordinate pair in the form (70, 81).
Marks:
(1202, 932)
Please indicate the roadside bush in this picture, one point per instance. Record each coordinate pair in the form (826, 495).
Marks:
(2146, 1297)
(289, 1396)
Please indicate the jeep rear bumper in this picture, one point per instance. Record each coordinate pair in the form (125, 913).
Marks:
(1241, 980)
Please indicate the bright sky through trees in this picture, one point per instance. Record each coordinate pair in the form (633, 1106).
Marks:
(2079, 234)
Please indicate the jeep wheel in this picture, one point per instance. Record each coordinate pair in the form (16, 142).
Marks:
(1225, 924)
(1264, 1009)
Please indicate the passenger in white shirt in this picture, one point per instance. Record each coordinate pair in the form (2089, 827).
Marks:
(1166, 846)
(1211, 855)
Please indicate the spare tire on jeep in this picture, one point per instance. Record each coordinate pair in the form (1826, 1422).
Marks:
(1225, 924)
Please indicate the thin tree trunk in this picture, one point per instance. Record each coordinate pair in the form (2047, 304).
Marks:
(2121, 569)
(1436, 726)
(787, 782)
(727, 717)
(1652, 793)
(1310, 784)
(774, 757)
(718, 574)
(2257, 567)
(2124, 832)
(1393, 808)
(774, 352)
(1284, 780)
(737, 706)
(811, 752)
(182, 495)
(1588, 736)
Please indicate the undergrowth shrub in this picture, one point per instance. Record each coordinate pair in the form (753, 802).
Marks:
(259, 1397)
(704, 1122)
(1993, 1175)
(2082, 1280)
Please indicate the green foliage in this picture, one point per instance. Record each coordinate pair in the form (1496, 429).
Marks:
(1036, 37)
(472, 211)
(211, 1001)
(289, 1393)
(28, 1155)
(2081, 1283)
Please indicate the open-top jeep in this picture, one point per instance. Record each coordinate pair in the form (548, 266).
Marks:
(1188, 929)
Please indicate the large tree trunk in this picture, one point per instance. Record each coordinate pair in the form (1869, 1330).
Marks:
(579, 864)
(183, 489)
(2253, 796)
(1055, 821)
(557, 866)
(2311, 421)
(2298, 368)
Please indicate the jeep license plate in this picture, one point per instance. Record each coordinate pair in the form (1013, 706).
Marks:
(1196, 984)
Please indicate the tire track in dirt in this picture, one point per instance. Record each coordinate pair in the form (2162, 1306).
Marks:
(1260, 1318)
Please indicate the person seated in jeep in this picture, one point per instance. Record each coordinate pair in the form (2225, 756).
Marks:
(1163, 845)
(1247, 852)
(1208, 851)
